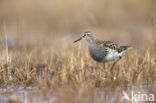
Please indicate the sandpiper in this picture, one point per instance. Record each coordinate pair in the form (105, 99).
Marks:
(101, 50)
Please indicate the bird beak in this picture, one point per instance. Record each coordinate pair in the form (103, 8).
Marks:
(77, 40)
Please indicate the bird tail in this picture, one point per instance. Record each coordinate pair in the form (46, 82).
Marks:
(126, 48)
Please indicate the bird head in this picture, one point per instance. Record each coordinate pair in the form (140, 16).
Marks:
(87, 36)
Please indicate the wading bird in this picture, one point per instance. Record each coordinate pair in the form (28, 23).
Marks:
(101, 50)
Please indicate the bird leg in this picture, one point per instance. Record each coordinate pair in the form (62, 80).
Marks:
(104, 66)
(115, 63)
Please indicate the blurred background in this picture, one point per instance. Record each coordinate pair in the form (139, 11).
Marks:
(36, 40)
(77, 15)
(116, 19)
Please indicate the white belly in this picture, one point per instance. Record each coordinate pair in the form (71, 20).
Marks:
(112, 54)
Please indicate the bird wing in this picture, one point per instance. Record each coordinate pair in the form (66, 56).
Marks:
(114, 46)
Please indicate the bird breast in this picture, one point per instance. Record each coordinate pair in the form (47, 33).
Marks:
(103, 54)
(98, 54)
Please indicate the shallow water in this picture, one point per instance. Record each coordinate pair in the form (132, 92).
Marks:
(19, 94)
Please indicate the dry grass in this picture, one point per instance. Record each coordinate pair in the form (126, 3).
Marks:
(66, 69)
(65, 63)
(41, 52)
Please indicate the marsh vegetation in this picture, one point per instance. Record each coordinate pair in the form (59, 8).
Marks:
(43, 64)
